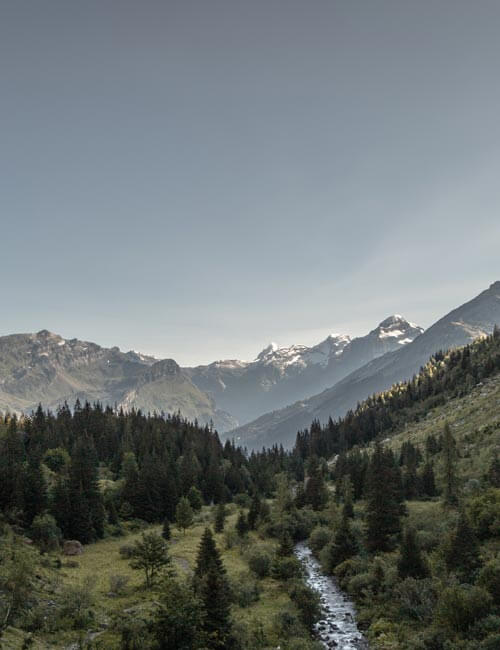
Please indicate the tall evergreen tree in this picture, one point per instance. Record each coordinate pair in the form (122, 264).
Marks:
(411, 563)
(383, 508)
(211, 586)
(461, 551)
(450, 492)
(254, 512)
(220, 517)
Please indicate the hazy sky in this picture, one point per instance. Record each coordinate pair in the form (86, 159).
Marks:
(195, 179)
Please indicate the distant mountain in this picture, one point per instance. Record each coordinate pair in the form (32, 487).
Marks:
(279, 376)
(469, 321)
(45, 368)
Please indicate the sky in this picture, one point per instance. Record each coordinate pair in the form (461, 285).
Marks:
(193, 179)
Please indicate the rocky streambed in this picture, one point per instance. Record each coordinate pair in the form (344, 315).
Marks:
(337, 627)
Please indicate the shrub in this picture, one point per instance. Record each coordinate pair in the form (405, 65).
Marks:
(259, 562)
(307, 602)
(461, 606)
(319, 538)
(126, 552)
(46, 533)
(416, 598)
(286, 568)
(77, 602)
(489, 578)
(117, 583)
(245, 590)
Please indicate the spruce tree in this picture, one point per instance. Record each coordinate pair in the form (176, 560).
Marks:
(184, 514)
(461, 551)
(493, 475)
(315, 491)
(241, 524)
(411, 563)
(165, 531)
(35, 491)
(211, 586)
(195, 499)
(220, 517)
(383, 508)
(450, 492)
(344, 544)
(254, 512)
(427, 480)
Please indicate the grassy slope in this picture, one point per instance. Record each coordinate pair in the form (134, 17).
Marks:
(474, 421)
(102, 560)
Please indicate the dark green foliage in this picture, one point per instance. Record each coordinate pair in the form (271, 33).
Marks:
(150, 555)
(195, 499)
(220, 517)
(428, 481)
(241, 524)
(34, 491)
(493, 475)
(411, 563)
(254, 512)
(450, 491)
(178, 621)
(184, 514)
(211, 586)
(343, 546)
(308, 603)
(259, 562)
(285, 547)
(461, 606)
(45, 532)
(316, 494)
(461, 551)
(384, 500)
(165, 531)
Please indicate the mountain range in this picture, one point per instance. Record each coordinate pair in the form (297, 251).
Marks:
(475, 318)
(257, 402)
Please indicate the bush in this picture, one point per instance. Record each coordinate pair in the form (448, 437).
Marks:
(286, 568)
(230, 538)
(319, 538)
(245, 590)
(259, 562)
(307, 602)
(77, 602)
(460, 607)
(117, 583)
(489, 578)
(416, 598)
(46, 533)
(126, 552)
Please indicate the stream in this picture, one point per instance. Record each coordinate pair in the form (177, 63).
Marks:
(337, 627)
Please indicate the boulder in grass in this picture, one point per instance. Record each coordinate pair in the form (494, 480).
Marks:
(72, 547)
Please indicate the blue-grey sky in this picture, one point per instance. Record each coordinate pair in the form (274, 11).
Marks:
(195, 178)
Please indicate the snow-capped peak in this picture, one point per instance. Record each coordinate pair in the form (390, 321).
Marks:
(397, 327)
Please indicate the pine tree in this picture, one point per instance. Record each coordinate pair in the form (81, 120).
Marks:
(211, 586)
(285, 549)
(195, 498)
(220, 517)
(347, 495)
(35, 491)
(184, 514)
(461, 551)
(165, 531)
(151, 555)
(493, 476)
(344, 544)
(450, 492)
(315, 491)
(241, 524)
(383, 508)
(254, 512)
(427, 480)
(410, 563)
